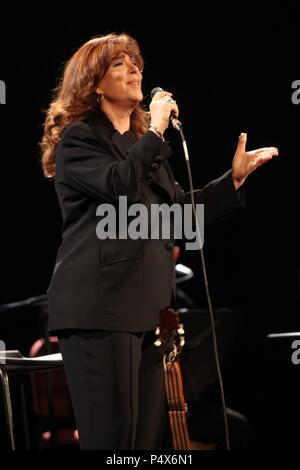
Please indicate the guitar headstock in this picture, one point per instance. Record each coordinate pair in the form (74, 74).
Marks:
(170, 333)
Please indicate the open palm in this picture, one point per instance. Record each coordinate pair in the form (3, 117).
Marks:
(245, 162)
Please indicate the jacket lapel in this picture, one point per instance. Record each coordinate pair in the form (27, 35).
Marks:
(103, 125)
(163, 178)
(121, 143)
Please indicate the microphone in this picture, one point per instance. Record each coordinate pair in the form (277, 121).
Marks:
(173, 118)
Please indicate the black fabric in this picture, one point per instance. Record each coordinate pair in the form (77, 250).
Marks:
(117, 388)
(116, 284)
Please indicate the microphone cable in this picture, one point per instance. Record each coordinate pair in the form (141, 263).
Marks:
(178, 127)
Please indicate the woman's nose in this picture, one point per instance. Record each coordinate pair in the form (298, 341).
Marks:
(133, 67)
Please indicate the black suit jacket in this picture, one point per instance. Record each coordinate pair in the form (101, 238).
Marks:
(116, 284)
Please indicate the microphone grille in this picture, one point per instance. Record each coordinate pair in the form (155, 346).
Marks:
(156, 90)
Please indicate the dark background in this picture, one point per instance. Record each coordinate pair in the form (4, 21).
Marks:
(230, 73)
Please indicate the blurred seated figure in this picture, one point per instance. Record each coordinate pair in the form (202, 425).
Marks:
(201, 389)
(51, 402)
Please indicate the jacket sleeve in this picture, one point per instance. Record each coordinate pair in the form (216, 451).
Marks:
(88, 166)
(220, 198)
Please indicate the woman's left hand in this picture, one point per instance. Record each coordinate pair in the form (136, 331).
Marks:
(245, 162)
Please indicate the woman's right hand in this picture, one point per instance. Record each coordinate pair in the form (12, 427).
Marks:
(161, 106)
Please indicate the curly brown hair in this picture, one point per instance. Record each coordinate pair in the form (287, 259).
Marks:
(75, 96)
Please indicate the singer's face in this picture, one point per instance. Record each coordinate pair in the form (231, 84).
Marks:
(122, 82)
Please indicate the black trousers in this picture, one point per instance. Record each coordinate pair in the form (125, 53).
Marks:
(116, 385)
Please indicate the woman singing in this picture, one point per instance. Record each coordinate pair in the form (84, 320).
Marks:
(105, 295)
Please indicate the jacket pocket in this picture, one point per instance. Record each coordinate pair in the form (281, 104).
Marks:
(121, 286)
(119, 251)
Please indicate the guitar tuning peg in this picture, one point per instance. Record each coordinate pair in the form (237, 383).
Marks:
(157, 343)
(182, 342)
(180, 330)
(157, 331)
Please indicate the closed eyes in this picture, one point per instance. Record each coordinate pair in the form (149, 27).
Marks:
(121, 63)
